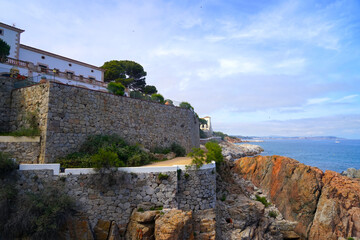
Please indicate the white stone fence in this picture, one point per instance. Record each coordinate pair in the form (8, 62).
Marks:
(78, 171)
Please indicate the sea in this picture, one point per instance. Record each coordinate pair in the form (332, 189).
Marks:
(336, 155)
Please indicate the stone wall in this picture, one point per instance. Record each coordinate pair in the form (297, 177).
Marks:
(6, 86)
(68, 114)
(24, 149)
(114, 195)
(196, 189)
(30, 101)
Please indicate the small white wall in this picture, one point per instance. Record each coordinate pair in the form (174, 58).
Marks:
(62, 65)
(10, 37)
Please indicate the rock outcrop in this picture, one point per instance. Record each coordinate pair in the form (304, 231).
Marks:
(233, 151)
(326, 206)
(338, 211)
(175, 224)
(351, 172)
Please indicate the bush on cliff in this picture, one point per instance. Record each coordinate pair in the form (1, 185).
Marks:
(38, 215)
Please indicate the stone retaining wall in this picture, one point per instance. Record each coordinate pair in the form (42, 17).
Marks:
(113, 195)
(24, 149)
(68, 114)
(6, 86)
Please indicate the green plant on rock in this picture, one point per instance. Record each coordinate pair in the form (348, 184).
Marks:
(162, 176)
(262, 200)
(273, 214)
(106, 159)
(350, 238)
(223, 198)
(178, 150)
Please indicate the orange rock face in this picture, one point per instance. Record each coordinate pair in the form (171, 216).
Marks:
(338, 212)
(293, 187)
(326, 206)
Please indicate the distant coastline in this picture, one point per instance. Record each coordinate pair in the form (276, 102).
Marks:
(261, 139)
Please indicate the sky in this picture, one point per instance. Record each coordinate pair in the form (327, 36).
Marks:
(258, 68)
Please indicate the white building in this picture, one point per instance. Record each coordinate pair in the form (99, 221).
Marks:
(37, 64)
(207, 128)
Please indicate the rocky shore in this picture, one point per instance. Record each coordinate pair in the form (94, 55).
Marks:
(232, 151)
(324, 205)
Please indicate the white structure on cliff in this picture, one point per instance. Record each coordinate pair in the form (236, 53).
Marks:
(36, 63)
(207, 128)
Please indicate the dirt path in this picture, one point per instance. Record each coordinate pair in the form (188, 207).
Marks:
(175, 161)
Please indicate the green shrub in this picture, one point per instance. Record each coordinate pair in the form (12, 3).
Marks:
(95, 142)
(350, 238)
(223, 198)
(39, 216)
(8, 195)
(156, 97)
(273, 214)
(116, 88)
(198, 157)
(163, 176)
(202, 134)
(214, 152)
(7, 165)
(262, 200)
(186, 105)
(186, 175)
(161, 150)
(106, 159)
(106, 151)
(178, 150)
(140, 210)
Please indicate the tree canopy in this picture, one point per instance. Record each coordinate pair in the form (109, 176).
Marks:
(128, 73)
(4, 50)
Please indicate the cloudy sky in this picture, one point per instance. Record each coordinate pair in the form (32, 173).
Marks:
(289, 68)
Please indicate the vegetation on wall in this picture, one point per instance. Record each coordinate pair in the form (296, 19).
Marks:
(116, 88)
(7, 165)
(30, 126)
(105, 151)
(4, 50)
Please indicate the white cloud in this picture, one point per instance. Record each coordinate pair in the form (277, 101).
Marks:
(318, 100)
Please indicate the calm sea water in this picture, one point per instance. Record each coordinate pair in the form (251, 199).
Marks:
(324, 154)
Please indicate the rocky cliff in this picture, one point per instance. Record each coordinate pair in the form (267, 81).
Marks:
(325, 205)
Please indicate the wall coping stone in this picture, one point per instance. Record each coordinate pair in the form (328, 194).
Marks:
(55, 167)
(79, 171)
(19, 139)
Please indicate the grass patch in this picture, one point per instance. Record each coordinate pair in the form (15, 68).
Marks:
(262, 200)
(23, 132)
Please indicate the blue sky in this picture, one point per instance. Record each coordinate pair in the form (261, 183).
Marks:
(289, 68)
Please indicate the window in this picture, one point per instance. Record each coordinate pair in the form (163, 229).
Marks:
(1, 32)
(81, 77)
(92, 70)
(56, 71)
(91, 78)
(69, 75)
(70, 64)
(42, 57)
(43, 68)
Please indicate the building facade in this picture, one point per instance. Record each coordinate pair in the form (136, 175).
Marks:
(207, 128)
(37, 64)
